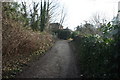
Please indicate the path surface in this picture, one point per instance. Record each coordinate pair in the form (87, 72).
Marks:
(59, 62)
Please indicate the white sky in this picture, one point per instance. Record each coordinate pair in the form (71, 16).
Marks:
(80, 10)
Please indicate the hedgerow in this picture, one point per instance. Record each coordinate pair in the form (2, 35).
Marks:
(99, 56)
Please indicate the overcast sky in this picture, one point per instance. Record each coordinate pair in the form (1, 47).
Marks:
(80, 10)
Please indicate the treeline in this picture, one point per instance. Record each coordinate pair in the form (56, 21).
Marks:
(24, 34)
(35, 15)
(98, 53)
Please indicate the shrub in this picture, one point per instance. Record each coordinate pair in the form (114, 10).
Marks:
(64, 33)
(18, 44)
(97, 57)
(74, 34)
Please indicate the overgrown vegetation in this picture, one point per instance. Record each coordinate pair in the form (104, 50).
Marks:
(34, 17)
(23, 36)
(63, 33)
(99, 56)
(20, 46)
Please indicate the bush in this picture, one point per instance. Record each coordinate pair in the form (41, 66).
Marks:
(18, 44)
(74, 34)
(98, 57)
(63, 34)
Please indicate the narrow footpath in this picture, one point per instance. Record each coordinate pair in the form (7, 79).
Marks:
(59, 62)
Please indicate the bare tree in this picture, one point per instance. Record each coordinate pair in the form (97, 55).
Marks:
(98, 19)
(63, 16)
(54, 10)
(42, 13)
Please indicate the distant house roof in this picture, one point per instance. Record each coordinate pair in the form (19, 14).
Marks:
(56, 26)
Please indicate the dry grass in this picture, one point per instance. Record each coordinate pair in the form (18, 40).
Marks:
(19, 44)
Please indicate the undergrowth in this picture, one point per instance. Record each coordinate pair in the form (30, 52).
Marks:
(20, 45)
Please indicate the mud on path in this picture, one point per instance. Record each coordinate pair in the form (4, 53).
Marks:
(59, 62)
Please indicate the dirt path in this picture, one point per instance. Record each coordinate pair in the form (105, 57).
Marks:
(59, 62)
